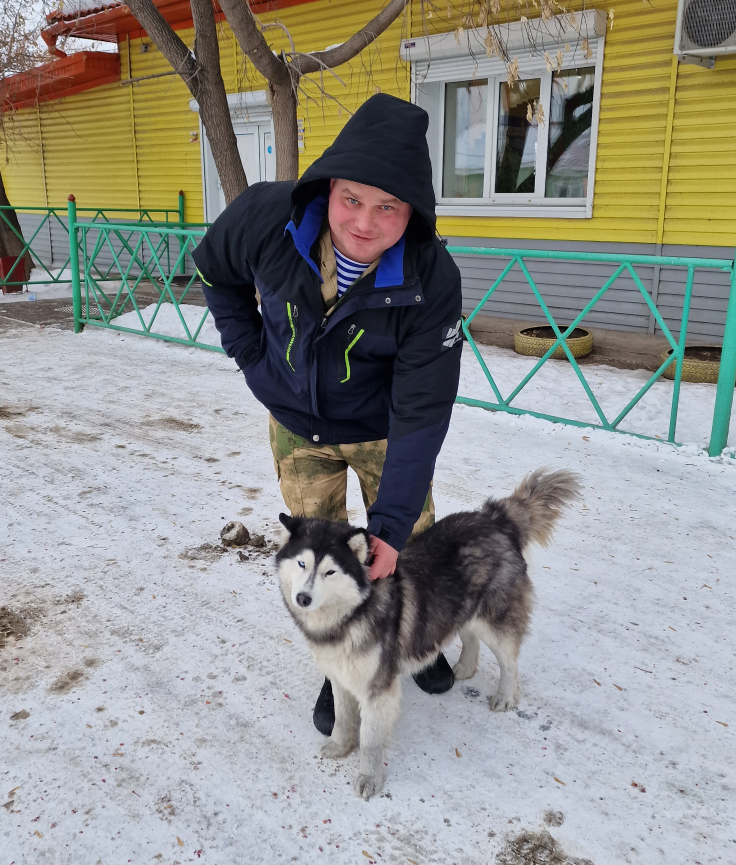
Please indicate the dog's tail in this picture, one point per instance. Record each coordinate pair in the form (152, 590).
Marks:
(537, 503)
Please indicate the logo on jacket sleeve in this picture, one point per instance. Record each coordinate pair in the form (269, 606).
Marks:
(452, 334)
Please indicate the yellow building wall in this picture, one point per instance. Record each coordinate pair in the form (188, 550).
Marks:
(701, 175)
(130, 146)
(23, 173)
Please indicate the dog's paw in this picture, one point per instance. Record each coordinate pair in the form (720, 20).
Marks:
(367, 785)
(464, 670)
(334, 750)
(503, 702)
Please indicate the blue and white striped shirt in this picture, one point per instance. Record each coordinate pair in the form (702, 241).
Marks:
(347, 271)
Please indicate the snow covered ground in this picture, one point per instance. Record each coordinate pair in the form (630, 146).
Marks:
(138, 721)
(41, 289)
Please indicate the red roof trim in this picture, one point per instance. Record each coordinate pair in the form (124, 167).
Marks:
(114, 21)
(60, 78)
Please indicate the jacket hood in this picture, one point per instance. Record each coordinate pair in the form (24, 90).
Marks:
(384, 144)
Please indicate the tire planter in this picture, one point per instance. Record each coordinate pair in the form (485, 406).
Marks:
(700, 364)
(535, 340)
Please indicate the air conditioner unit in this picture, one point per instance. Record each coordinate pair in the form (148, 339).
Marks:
(705, 29)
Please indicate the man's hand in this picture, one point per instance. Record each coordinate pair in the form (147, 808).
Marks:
(384, 559)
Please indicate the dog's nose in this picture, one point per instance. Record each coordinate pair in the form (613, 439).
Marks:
(303, 599)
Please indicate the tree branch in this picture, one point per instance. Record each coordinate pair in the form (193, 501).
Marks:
(252, 42)
(166, 40)
(306, 64)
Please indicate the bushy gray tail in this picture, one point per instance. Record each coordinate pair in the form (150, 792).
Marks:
(537, 503)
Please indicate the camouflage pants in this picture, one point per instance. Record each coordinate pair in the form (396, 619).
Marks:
(313, 478)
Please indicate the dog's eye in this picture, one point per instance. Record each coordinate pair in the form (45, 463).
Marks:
(329, 573)
(301, 564)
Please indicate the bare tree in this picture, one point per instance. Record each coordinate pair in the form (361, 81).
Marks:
(284, 72)
(20, 50)
(199, 68)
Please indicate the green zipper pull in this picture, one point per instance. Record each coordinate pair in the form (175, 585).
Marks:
(347, 350)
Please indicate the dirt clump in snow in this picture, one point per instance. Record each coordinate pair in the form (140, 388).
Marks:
(67, 682)
(177, 424)
(553, 818)
(20, 716)
(13, 626)
(203, 553)
(234, 534)
(9, 412)
(536, 848)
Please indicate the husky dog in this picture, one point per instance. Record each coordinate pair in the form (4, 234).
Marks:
(466, 574)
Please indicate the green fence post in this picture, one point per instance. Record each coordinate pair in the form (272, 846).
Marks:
(182, 267)
(726, 377)
(74, 262)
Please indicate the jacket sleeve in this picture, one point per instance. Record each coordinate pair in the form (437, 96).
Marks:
(425, 383)
(228, 283)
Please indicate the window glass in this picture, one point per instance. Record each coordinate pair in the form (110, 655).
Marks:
(465, 139)
(516, 156)
(570, 117)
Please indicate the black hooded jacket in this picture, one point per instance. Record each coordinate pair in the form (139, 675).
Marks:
(399, 379)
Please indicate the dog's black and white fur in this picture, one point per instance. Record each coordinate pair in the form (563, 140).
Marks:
(467, 575)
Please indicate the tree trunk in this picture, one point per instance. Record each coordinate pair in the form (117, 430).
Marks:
(200, 71)
(11, 244)
(223, 143)
(283, 108)
(212, 101)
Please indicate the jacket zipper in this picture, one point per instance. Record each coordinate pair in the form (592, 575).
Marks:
(293, 313)
(351, 342)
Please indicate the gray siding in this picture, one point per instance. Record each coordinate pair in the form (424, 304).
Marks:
(566, 287)
(710, 294)
(41, 243)
(104, 258)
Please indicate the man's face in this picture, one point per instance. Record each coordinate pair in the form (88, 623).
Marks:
(364, 220)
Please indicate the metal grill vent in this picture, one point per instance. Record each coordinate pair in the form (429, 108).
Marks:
(706, 28)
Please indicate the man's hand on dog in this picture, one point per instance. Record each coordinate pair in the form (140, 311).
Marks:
(384, 559)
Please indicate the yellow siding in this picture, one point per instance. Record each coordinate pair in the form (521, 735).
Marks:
(701, 190)
(111, 149)
(167, 159)
(23, 172)
(88, 148)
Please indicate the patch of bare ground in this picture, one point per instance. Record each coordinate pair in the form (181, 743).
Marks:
(73, 678)
(176, 424)
(203, 553)
(13, 626)
(11, 412)
(536, 848)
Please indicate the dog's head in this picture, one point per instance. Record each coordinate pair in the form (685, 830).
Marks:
(322, 565)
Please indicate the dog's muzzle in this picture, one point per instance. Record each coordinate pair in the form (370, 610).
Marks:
(303, 599)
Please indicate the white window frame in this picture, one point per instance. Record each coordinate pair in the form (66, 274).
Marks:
(444, 59)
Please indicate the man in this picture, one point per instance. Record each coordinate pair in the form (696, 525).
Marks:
(356, 348)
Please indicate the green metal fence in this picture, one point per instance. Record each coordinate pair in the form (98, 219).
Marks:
(103, 306)
(625, 264)
(145, 276)
(54, 218)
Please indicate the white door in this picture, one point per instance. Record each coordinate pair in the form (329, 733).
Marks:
(256, 149)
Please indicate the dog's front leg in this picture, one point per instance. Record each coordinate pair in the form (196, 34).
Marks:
(344, 736)
(377, 718)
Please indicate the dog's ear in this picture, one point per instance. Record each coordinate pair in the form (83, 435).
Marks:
(289, 523)
(358, 542)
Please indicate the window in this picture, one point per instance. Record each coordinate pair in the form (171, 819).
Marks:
(465, 139)
(568, 148)
(530, 140)
(521, 149)
(517, 139)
